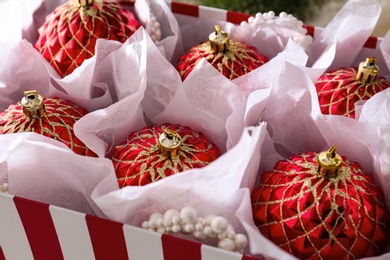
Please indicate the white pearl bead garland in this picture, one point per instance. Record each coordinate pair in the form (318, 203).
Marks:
(155, 29)
(284, 20)
(187, 222)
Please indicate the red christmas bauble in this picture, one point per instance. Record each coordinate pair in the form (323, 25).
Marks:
(232, 58)
(159, 151)
(321, 206)
(51, 117)
(69, 34)
(338, 90)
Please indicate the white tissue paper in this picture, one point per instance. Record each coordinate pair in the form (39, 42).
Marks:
(213, 189)
(18, 77)
(298, 126)
(385, 50)
(110, 75)
(350, 28)
(257, 85)
(203, 102)
(45, 170)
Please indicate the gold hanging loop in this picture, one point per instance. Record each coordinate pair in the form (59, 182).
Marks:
(329, 163)
(33, 106)
(83, 3)
(219, 40)
(367, 71)
(169, 143)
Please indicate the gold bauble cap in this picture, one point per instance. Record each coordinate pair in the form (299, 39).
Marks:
(33, 106)
(367, 71)
(219, 40)
(83, 3)
(329, 163)
(86, 9)
(169, 143)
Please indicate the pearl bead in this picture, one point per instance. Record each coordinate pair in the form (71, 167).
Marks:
(230, 232)
(160, 222)
(243, 23)
(4, 187)
(241, 241)
(168, 216)
(222, 236)
(198, 226)
(175, 220)
(283, 14)
(188, 215)
(152, 223)
(188, 228)
(168, 222)
(155, 216)
(161, 230)
(227, 244)
(145, 225)
(230, 228)
(219, 225)
(231, 235)
(209, 218)
(201, 221)
(259, 16)
(176, 228)
(208, 231)
(199, 235)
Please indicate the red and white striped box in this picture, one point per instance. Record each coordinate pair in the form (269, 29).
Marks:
(34, 230)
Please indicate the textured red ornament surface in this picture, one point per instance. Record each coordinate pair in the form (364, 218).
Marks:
(57, 123)
(69, 34)
(139, 161)
(338, 90)
(233, 63)
(314, 217)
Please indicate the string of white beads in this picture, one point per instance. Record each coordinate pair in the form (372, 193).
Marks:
(284, 20)
(155, 28)
(188, 222)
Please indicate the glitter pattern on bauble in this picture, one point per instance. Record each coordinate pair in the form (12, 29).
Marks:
(321, 206)
(69, 34)
(159, 151)
(232, 58)
(339, 90)
(51, 117)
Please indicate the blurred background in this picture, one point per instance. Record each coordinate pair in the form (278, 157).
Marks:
(311, 12)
